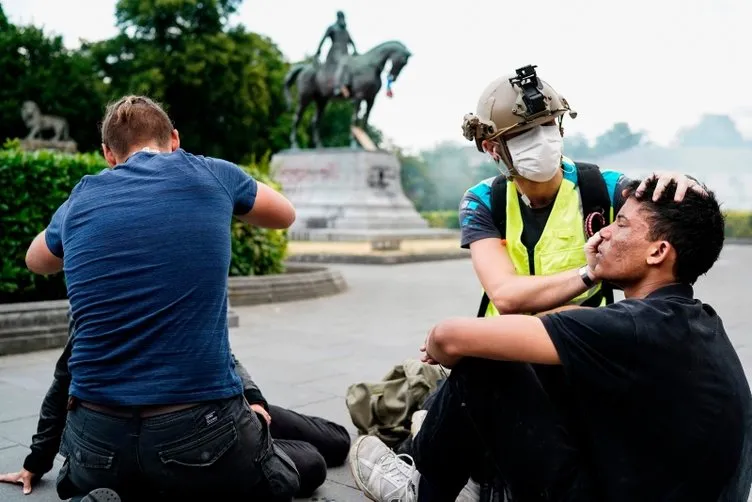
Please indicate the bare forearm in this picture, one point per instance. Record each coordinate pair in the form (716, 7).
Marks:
(519, 294)
(508, 338)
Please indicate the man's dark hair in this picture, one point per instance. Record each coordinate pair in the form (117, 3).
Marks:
(694, 227)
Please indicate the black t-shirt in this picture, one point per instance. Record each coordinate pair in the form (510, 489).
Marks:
(663, 397)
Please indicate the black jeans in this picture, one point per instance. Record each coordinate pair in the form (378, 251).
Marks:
(218, 450)
(499, 413)
(313, 444)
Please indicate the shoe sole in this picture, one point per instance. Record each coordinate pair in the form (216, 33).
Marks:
(102, 495)
(352, 461)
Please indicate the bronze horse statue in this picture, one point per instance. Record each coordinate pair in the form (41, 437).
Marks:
(315, 83)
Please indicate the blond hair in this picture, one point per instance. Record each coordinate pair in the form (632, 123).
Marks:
(132, 121)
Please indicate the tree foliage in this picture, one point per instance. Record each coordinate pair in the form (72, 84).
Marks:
(221, 85)
(618, 138)
(712, 131)
(37, 67)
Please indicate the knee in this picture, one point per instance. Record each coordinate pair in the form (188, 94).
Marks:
(312, 473)
(338, 447)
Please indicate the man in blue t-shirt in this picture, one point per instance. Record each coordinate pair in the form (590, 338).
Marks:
(145, 246)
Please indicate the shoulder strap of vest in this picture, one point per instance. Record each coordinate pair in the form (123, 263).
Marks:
(499, 204)
(595, 198)
(499, 216)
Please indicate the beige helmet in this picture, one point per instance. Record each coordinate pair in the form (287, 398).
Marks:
(512, 104)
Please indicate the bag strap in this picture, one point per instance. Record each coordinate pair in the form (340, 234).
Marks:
(595, 200)
(593, 191)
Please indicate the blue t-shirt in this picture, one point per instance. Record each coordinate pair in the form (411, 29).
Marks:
(146, 255)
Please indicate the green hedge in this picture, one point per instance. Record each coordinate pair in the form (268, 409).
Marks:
(442, 219)
(34, 184)
(738, 223)
(258, 251)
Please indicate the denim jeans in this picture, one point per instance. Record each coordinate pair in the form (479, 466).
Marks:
(218, 450)
(498, 416)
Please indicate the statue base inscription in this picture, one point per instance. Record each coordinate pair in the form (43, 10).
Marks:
(345, 194)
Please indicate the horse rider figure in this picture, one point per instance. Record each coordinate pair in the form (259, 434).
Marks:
(338, 54)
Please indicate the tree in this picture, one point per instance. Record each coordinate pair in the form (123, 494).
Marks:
(577, 147)
(39, 68)
(3, 19)
(221, 85)
(713, 131)
(620, 137)
(167, 20)
(416, 180)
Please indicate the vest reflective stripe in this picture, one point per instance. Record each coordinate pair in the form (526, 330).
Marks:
(561, 245)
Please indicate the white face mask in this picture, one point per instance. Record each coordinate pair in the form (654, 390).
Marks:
(536, 154)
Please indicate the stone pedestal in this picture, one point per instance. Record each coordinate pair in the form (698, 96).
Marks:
(349, 195)
(42, 144)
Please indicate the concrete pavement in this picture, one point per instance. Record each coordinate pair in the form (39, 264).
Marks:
(305, 354)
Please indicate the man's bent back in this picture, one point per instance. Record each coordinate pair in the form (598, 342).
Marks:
(155, 406)
(147, 254)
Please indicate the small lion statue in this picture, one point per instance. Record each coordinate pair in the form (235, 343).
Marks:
(37, 122)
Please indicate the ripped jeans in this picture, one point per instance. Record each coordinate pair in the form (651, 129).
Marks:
(219, 450)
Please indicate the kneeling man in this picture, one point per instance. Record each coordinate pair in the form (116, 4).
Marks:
(658, 407)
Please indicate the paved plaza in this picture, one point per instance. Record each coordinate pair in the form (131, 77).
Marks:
(305, 354)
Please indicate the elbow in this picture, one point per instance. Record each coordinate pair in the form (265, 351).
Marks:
(281, 219)
(505, 302)
(445, 340)
(33, 264)
(42, 265)
(287, 218)
(291, 215)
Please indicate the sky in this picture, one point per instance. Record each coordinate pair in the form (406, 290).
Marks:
(656, 64)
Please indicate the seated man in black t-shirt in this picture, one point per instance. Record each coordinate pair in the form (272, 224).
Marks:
(660, 409)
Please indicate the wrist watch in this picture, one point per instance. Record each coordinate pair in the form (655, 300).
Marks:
(586, 277)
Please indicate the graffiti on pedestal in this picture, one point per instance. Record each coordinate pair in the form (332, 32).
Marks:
(296, 176)
(382, 178)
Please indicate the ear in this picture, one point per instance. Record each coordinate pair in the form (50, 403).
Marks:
(109, 156)
(174, 140)
(659, 252)
(491, 148)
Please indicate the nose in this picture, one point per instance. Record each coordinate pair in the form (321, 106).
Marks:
(606, 232)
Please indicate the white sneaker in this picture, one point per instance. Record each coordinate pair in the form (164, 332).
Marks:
(381, 474)
(470, 493)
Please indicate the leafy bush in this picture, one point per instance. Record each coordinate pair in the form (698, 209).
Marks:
(442, 219)
(739, 224)
(258, 251)
(34, 184)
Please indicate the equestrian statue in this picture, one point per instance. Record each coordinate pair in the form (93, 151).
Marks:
(356, 77)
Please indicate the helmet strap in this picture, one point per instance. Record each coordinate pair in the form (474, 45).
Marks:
(506, 158)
